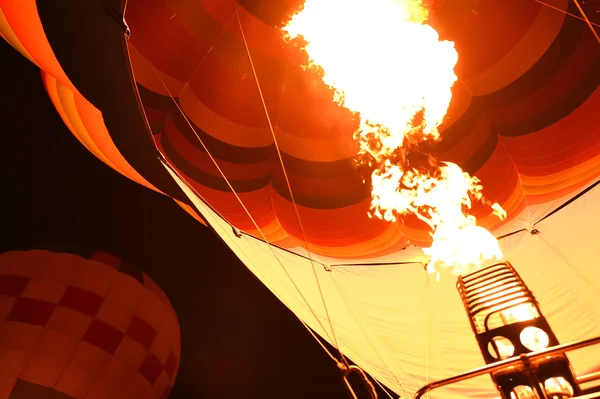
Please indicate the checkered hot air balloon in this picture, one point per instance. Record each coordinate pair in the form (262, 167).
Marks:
(75, 327)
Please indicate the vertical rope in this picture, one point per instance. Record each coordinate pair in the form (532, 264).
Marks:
(427, 326)
(320, 343)
(346, 300)
(587, 20)
(205, 56)
(384, 389)
(564, 12)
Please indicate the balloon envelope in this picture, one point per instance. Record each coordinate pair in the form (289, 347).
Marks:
(524, 119)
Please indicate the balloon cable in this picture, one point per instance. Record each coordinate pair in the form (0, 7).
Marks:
(587, 20)
(584, 17)
(564, 12)
(363, 326)
(349, 369)
(383, 388)
(340, 365)
(428, 309)
(264, 104)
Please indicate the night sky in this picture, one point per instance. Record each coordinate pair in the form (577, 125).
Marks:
(238, 340)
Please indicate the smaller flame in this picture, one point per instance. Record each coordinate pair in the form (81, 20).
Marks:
(522, 312)
(441, 202)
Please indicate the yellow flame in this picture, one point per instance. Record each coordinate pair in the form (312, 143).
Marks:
(389, 67)
(522, 312)
(368, 54)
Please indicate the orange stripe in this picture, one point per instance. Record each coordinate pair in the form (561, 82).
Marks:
(221, 128)
(275, 234)
(62, 99)
(94, 126)
(524, 53)
(260, 37)
(557, 148)
(566, 178)
(152, 78)
(24, 20)
(257, 202)
(87, 125)
(319, 149)
(561, 83)
(200, 159)
(565, 189)
(158, 35)
(550, 191)
(343, 227)
(470, 144)
(10, 36)
(499, 26)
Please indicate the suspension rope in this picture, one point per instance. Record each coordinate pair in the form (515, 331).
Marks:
(583, 18)
(349, 388)
(427, 326)
(264, 104)
(335, 360)
(563, 11)
(530, 221)
(339, 364)
(346, 300)
(587, 20)
(349, 369)
(383, 388)
(205, 56)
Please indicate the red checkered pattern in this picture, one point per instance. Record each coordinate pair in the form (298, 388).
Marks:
(87, 328)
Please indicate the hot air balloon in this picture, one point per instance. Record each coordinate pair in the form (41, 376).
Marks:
(208, 103)
(84, 325)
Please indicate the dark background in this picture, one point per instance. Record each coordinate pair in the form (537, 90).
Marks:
(238, 340)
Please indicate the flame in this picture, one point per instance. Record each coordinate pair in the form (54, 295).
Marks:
(391, 68)
(368, 39)
(522, 312)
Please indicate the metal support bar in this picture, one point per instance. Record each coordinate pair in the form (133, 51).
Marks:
(582, 379)
(503, 364)
(589, 396)
(589, 377)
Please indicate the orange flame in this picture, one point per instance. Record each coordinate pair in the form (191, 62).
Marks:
(385, 64)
